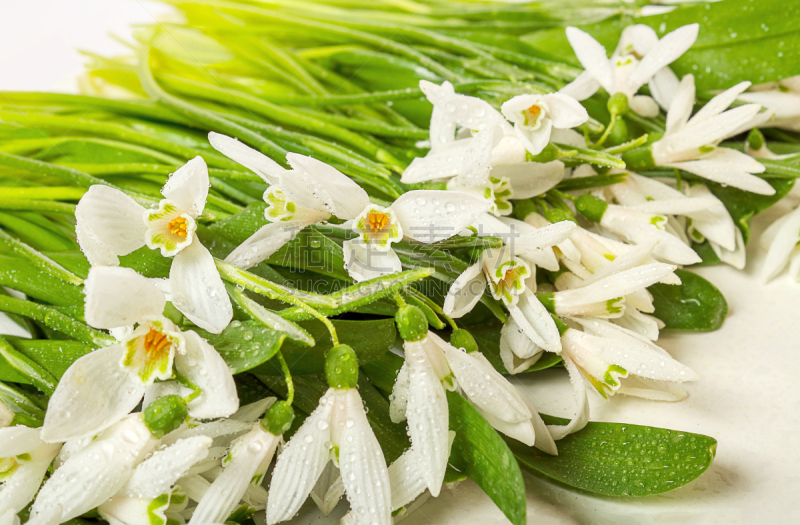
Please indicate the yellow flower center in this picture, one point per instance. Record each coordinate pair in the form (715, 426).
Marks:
(511, 276)
(532, 114)
(156, 344)
(377, 220)
(7, 467)
(178, 226)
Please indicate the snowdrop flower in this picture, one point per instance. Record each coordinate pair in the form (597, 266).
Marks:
(426, 216)
(640, 58)
(691, 144)
(638, 227)
(103, 386)
(534, 117)
(477, 165)
(614, 360)
(24, 462)
(782, 98)
(245, 466)
(337, 430)
(781, 240)
(111, 224)
(310, 192)
(149, 495)
(91, 476)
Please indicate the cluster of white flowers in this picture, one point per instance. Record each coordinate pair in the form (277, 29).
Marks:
(576, 288)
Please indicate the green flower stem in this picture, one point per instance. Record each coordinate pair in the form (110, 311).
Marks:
(43, 193)
(287, 377)
(39, 260)
(55, 320)
(583, 155)
(35, 205)
(374, 127)
(73, 176)
(42, 238)
(265, 146)
(32, 146)
(196, 390)
(38, 376)
(625, 146)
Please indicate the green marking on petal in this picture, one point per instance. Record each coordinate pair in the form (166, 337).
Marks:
(155, 510)
(609, 256)
(613, 306)
(656, 221)
(609, 378)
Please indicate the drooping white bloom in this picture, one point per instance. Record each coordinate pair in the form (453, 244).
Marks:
(103, 386)
(149, 495)
(535, 116)
(640, 58)
(782, 242)
(480, 165)
(24, 460)
(691, 144)
(425, 216)
(246, 464)
(782, 98)
(111, 224)
(310, 192)
(94, 474)
(432, 366)
(337, 430)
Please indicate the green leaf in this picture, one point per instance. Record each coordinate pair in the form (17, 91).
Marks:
(369, 339)
(26, 278)
(311, 250)
(245, 345)
(617, 459)
(480, 453)
(55, 356)
(33, 373)
(27, 410)
(269, 318)
(742, 205)
(695, 304)
(39, 260)
(55, 320)
(739, 40)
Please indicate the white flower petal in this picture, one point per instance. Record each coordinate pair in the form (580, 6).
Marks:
(158, 473)
(529, 179)
(118, 297)
(197, 289)
(682, 104)
(398, 400)
(300, 463)
(95, 473)
(328, 490)
(719, 103)
(248, 456)
(512, 363)
(18, 440)
(663, 87)
(203, 366)
(638, 227)
(644, 106)
(535, 140)
(592, 56)
(188, 187)
(678, 206)
(522, 431)
(347, 198)
(430, 216)
(583, 87)
(465, 292)
(253, 411)
(582, 411)
(255, 161)
(535, 321)
(485, 387)
(441, 164)
(93, 394)
(263, 243)
(109, 224)
(782, 246)
(470, 112)
(525, 238)
(736, 257)
(667, 50)
(364, 262)
(718, 168)
(704, 133)
(405, 478)
(364, 472)
(19, 489)
(635, 321)
(565, 111)
(651, 389)
(427, 415)
(515, 341)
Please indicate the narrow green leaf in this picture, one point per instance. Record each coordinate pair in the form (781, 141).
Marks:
(245, 345)
(480, 453)
(617, 459)
(269, 318)
(52, 318)
(35, 374)
(28, 411)
(55, 356)
(695, 304)
(39, 260)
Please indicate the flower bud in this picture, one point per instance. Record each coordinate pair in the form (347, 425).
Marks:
(341, 367)
(523, 208)
(618, 104)
(165, 414)
(278, 418)
(755, 139)
(591, 207)
(461, 338)
(411, 323)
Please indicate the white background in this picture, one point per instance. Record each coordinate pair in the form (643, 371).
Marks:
(748, 396)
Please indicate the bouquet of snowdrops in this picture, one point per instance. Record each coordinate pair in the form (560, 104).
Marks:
(289, 249)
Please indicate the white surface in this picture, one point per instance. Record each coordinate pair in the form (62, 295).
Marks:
(748, 397)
